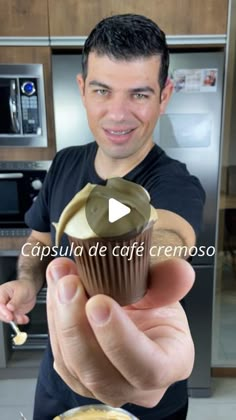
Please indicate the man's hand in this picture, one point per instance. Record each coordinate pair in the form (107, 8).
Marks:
(17, 298)
(120, 354)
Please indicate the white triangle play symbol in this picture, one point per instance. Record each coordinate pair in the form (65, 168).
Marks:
(116, 210)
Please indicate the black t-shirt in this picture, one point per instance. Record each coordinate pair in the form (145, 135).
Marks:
(170, 186)
(168, 182)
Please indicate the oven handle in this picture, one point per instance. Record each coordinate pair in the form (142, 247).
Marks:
(16, 175)
(13, 107)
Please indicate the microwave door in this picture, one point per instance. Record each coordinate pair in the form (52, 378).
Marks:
(11, 207)
(14, 107)
(9, 118)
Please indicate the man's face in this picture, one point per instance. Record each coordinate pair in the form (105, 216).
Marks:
(123, 102)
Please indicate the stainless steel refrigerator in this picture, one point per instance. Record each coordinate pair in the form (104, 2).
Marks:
(190, 132)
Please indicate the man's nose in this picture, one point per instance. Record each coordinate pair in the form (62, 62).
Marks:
(118, 109)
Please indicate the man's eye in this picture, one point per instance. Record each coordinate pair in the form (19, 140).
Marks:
(140, 96)
(101, 92)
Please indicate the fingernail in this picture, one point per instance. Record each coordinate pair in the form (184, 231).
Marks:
(58, 271)
(66, 291)
(99, 313)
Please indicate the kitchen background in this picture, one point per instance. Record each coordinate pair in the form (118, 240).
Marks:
(51, 32)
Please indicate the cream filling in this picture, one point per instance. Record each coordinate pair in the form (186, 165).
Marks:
(73, 218)
(20, 339)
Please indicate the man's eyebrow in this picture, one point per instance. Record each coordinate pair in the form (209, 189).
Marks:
(97, 83)
(142, 89)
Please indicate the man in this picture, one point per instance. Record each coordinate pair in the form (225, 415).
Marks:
(138, 356)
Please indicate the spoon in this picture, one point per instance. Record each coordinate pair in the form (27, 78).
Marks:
(20, 337)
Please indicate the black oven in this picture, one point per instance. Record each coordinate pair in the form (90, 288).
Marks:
(22, 106)
(20, 183)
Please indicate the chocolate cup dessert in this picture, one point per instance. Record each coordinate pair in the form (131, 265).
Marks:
(119, 264)
(122, 278)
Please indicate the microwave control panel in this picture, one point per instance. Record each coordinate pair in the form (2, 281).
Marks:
(29, 106)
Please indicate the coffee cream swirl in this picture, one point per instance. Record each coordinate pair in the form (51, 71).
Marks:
(86, 215)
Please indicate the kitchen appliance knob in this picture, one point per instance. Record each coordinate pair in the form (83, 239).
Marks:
(28, 88)
(36, 184)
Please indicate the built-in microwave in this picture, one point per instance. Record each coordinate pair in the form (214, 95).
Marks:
(20, 183)
(22, 106)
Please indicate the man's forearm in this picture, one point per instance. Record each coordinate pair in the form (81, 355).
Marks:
(32, 266)
(167, 244)
(172, 237)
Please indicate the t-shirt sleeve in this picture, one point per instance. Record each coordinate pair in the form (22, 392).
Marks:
(178, 191)
(38, 215)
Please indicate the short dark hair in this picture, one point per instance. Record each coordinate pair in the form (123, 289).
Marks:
(126, 37)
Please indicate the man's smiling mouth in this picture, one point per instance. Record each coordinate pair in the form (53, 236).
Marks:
(119, 132)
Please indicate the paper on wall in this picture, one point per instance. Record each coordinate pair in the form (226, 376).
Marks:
(195, 80)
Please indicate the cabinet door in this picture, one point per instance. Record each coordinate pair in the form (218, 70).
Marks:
(24, 18)
(178, 17)
(41, 55)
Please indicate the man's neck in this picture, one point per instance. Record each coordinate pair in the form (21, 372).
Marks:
(108, 167)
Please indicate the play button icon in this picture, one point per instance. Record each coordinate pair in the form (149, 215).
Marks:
(116, 210)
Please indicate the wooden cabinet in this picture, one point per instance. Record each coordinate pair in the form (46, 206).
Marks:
(23, 18)
(77, 17)
(175, 17)
(32, 55)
